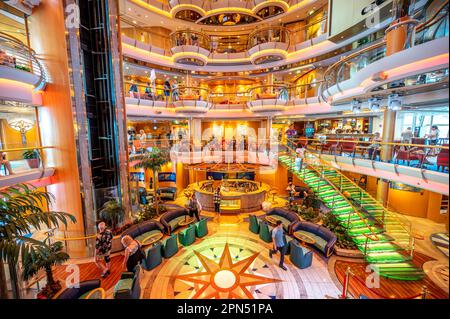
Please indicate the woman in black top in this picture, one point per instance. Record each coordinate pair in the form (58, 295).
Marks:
(133, 253)
(194, 207)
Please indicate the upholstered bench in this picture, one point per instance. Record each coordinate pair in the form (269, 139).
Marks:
(324, 238)
(174, 223)
(172, 218)
(288, 218)
(86, 290)
(144, 230)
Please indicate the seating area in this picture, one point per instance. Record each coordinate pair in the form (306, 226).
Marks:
(128, 286)
(323, 237)
(144, 230)
(89, 289)
(288, 218)
(300, 256)
(171, 219)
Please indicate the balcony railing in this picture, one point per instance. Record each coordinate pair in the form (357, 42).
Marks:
(418, 33)
(190, 38)
(17, 55)
(276, 34)
(268, 98)
(263, 96)
(22, 164)
(419, 152)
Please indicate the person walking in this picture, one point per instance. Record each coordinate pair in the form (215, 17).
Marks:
(103, 245)
(278, 243)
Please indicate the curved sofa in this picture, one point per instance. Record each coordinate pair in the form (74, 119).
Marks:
(84, 289)
(325, 238)
(288, 218)
(170, 220)
(143, 230)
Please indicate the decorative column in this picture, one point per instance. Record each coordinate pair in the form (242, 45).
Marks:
(396, 38)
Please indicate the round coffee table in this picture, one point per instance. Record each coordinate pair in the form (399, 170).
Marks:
(187, 221)
(271, 220)
(152, 239)
(304, 239)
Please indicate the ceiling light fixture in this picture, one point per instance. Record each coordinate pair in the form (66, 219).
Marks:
(395, 102)
(356, 106)
(374, 104)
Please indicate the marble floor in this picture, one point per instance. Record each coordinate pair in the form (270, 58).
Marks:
(314, 282)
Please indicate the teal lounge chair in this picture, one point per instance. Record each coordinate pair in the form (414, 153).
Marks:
(187, 236)
(201, 228)
(265, 233)
(253, 224)
(300, 256)
(169, 247)
(153, 257)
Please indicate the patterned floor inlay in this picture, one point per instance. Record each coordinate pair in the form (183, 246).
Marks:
(195, 272)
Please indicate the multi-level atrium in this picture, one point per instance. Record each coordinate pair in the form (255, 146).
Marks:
(156, 149)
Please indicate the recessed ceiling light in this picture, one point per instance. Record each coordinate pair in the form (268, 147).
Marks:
(129, 9)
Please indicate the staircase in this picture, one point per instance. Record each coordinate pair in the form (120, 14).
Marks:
(378, 233)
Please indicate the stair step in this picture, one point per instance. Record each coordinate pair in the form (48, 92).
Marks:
(386, 257)
(380, 247)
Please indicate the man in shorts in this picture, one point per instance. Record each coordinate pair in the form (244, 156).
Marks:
(103, 245)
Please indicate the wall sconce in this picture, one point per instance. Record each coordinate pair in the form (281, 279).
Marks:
(22, 126)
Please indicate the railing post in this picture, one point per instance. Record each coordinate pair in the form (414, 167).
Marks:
(424, 292)
(345, 285)
(365, 246)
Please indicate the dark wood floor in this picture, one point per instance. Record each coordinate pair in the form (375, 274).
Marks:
(389, 288)
(90, 271)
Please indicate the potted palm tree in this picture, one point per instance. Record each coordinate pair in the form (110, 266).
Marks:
(112, 213)
(153, 160)
(32, 158)
(21, 213)
(47, 257)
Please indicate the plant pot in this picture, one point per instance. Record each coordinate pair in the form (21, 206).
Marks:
(33, 162)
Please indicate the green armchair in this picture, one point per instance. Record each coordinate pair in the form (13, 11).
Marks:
(170, 246)
(264, 232)
(300, 256)
(153, 257)
(187, 236)
(201, 228)
(253, 224)
(129, 285)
